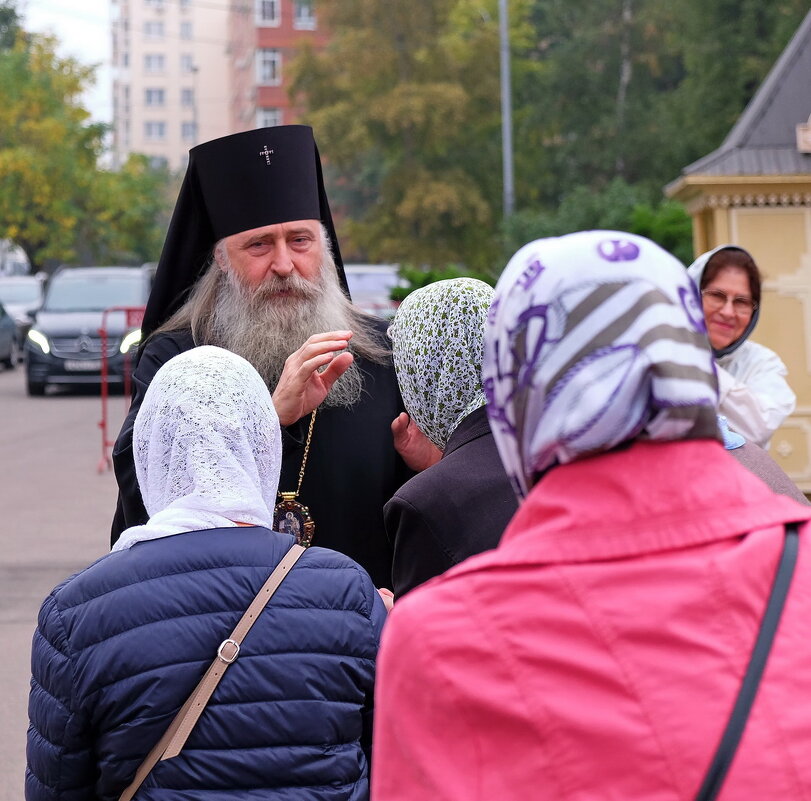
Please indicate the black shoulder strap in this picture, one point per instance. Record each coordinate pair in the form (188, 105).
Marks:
(725, 753)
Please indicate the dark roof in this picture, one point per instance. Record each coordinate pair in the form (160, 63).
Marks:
(764, 139)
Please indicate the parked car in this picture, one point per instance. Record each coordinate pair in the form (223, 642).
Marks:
(22, 296)
(64, 344)
(8, 339)
(370, 286)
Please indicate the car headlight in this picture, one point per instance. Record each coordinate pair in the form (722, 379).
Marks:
(39, 339)
(133, 338)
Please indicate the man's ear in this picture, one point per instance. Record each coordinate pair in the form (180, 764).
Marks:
(221, 256)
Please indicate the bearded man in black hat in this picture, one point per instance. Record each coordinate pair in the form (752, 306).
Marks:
(251, 263)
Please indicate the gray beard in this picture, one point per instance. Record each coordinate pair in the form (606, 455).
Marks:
(265, 328)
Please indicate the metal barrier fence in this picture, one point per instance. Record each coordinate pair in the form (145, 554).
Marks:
(134, 319)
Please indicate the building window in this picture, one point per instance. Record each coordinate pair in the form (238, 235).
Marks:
(153, 29)
(158, 162)
(268, 12)
(184, 4)
(187, 62)
(185, 30)
(187, 131)
(155, 97)
(268, 66)
(268, 117)
(154, 62)
(304, 15)
(156, 4)
(155, 131)
(187, 97)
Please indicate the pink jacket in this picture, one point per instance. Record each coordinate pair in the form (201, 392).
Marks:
(597, 652)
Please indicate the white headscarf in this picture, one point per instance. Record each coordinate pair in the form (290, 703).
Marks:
(594, 339)
(207, 447)
(696, 272)
(437, 345)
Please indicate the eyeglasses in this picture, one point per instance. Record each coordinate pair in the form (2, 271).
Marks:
(715, 299)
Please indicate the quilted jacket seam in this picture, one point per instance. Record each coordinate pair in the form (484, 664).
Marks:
(237, 612)
(56, 613)
(146, 580)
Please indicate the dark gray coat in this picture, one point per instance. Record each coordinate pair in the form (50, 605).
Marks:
(457, 508)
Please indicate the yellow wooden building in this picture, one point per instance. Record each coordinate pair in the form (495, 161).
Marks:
(755, 191)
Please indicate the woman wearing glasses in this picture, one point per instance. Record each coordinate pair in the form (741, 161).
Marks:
(754, 394)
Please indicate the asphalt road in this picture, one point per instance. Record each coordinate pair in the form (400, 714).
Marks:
(55, 512)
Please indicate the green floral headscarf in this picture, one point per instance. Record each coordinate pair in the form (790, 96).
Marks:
(437, 341)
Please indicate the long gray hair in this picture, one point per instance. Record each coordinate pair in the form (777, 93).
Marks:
(222, 311)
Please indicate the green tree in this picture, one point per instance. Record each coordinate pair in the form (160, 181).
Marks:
(404, 101)
(55, 201)
(637, 89)
(666, 223)
(48, 149)
(127, 213)
(586, 114)
(726, 49)
(9, 24)
(416, 278)
(619, 207)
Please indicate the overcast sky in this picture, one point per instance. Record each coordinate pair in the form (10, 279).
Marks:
(83, 28)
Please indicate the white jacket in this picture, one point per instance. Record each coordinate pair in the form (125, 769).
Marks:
(754, 394)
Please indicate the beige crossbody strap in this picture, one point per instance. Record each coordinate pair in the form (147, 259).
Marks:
(175, 736)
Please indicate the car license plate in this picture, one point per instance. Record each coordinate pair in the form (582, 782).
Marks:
(86, 365)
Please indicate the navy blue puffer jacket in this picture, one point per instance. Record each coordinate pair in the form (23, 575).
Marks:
(121, 645)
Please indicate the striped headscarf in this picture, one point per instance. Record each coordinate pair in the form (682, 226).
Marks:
(594, 339)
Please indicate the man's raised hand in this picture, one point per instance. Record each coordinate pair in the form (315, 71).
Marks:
(301, 386)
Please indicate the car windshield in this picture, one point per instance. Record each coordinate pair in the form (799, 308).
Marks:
(20, 293)
(94, 293)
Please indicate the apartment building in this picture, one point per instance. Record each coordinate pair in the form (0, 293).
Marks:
(170, 77)
(264, 37)
(186, 71)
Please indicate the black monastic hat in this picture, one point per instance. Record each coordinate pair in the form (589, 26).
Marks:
(232, 184)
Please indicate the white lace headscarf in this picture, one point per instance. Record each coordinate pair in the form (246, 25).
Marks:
(594, 339)
(437, 346)
(207, 447)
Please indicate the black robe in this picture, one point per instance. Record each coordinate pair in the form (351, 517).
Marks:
(456, 508)
(352, 469)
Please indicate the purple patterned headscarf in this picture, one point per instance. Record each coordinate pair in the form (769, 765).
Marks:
(594, 339)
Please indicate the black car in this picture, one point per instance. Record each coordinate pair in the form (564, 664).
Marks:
(64, 344)
(8, 339)
(22, 296)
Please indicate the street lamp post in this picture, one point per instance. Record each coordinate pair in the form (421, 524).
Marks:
(506, 109)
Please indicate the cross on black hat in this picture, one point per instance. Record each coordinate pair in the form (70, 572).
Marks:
(233, 184)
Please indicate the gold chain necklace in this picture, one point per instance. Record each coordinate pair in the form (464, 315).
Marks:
(290, 516)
